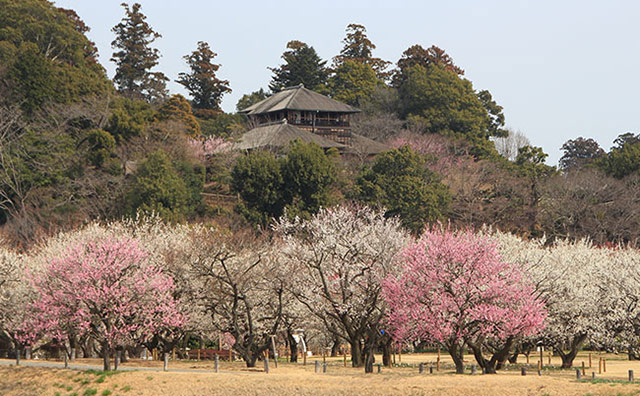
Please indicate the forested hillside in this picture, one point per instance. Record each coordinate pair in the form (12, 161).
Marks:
(76, 146)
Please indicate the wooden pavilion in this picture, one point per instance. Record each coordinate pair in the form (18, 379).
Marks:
(305, 113)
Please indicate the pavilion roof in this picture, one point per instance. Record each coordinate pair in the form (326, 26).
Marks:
(280, 135)
(298, 98)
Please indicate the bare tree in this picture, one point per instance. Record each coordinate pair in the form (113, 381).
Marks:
(508, 146)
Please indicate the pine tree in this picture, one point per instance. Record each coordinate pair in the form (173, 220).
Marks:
(136, 58)
(204, 87)
(302, 65)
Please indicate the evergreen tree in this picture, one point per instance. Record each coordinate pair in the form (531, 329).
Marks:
(205, 88)
(307, 173)
(302, 65)
(624, 158)
(580, 152)
(442, 102)
(159, 188)
(250, 99)
(353, 82)
(417, 55)
(177, 108)
(45, 56)
(358, 48)
(135, 58)
(400, 181)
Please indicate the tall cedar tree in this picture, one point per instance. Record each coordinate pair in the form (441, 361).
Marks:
(302, 65)
(204, 87)
(136, 58)
(358, 47)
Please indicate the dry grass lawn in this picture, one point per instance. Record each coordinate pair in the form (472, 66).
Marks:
(292, 379)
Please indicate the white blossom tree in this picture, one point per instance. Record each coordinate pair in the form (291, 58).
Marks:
(338, 259)
(240, 288)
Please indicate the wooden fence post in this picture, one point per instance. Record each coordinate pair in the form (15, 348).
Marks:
(198, 354)
(599, 365)
(549, 361)
(589, 359)
(541, 357)
(317, 366)
(523, 371)
(344, 356)
(421, 368)
(604, 365)
(216, 363)
(578, 374)
(230, 355)
(266, 365)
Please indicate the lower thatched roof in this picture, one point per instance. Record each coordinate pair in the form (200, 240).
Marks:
(280, 136)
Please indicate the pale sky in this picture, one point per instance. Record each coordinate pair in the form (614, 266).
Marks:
(560, 69)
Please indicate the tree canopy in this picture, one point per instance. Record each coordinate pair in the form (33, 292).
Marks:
(134, 57)
(400, 181)
(46, 57)
(302, 65)
(205, 88)
(358, 48)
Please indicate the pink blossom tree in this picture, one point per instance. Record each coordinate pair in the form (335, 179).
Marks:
(107, 288)
(453, 287)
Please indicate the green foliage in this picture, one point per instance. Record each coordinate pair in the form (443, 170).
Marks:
(353, 82)
(43, 159)
(302, 65)
(579, 153)
(222, 124)
(102, 147)
(250, 99)
(46, 55)
(257, 178)
(624, 158)
(178, 108)
(203, 85)
(307, 173)
(158, 188)
(135, 58)
(400, 181)
(90, 392)
(299, 181)
(129, 118)
(417, 55)
(193, 176)
(441, 102)
(34, 76)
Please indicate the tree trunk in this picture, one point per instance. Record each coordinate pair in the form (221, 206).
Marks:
(567, 358)
(386, 352)
(356, 353)
(73, 346)
(335, 347)
(293, 346)
(633, 354)
(456, 353)
(27, 353)
(369, 351)
(497, 359)
(165, 360)
(117, 359)
(106, 356)
(17, 354)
